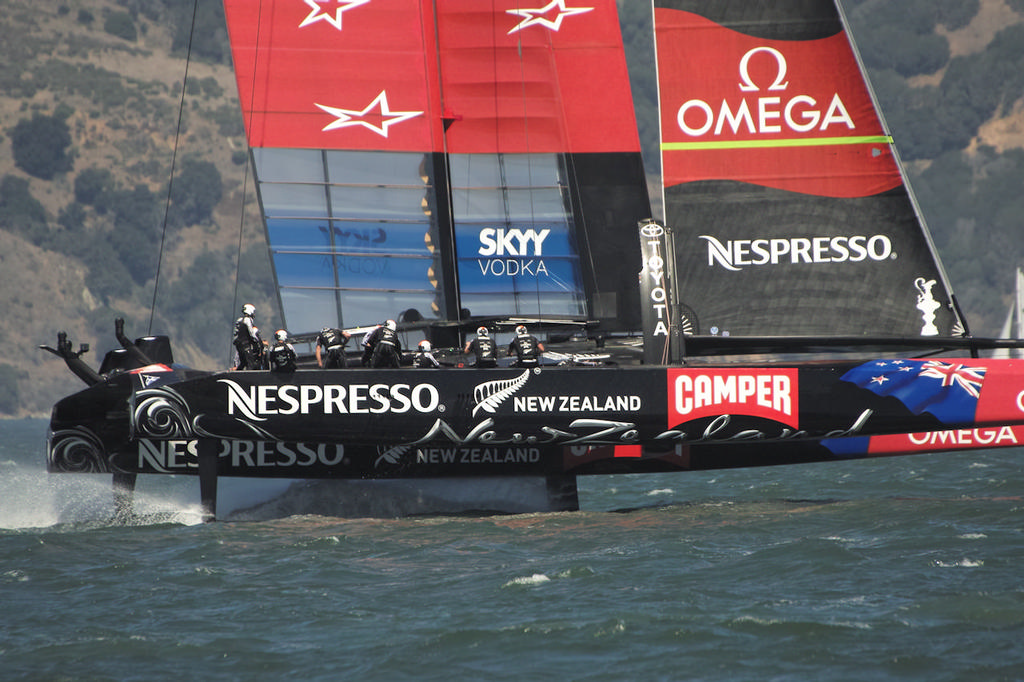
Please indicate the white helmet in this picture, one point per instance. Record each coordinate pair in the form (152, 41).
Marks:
(424, 345)
(481, 331)
(249, 309)
(281, 335)
(520, 330)
(390, 324)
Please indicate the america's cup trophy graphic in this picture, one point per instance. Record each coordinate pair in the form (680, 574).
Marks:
(927, 304)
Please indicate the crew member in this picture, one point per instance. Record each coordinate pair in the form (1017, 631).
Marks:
(483, 348)
(332, 341)
(262, 350)
(369, 341)
(526, 348)
(387, 350)
(425, 356)
(246, 339)
(282, 354)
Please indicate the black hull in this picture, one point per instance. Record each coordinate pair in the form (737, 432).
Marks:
(550, 422)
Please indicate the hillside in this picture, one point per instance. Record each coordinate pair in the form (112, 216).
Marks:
(80, 233)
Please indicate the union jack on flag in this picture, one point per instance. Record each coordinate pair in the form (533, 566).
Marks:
(950, 391)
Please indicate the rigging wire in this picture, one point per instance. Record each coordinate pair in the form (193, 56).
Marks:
(174, 160)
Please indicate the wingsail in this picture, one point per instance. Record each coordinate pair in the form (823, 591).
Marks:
(442, 160)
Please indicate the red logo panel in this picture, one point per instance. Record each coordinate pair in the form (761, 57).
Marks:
(770, 394)
(793, 115)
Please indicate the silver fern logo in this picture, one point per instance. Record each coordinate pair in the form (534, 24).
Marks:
(490, 394)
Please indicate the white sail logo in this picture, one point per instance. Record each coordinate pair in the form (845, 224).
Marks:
(377, 116)
(766, 114)
(320, 13)
(736, 254)
(539, 16)
(512, 252)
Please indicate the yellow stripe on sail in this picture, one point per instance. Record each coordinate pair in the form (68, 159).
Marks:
(766, 144)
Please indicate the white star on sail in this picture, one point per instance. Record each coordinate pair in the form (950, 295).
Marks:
(538, 17)
(320, 13)
(349, 117)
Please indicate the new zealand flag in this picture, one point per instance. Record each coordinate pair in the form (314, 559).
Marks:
(949, 391)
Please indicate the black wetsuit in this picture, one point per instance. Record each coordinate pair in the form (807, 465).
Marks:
(282, 358)
(333, 343)
(369, 341)
(387, 351)
(483, 348)
(526, 350)
(247, 343)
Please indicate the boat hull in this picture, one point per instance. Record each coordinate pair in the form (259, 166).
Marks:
(540, 422)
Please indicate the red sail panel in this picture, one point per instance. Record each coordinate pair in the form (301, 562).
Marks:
(788, 114)
(335, 75)
(363, 74)
(548, 79)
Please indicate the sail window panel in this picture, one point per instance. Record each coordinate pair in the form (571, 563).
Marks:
(289, 165)
(382, 237)
(509, 204)
(505, 170)
(299, 234)
(364, 308)
(307, 310)
(378, 168)
(354, 271)
(304, 269)
(524, 303)
(387, 273)
(349, 201)
(293, 200)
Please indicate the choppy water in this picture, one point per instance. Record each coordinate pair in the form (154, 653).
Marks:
(908, 568)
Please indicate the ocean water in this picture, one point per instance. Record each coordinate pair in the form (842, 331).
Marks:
(900, 569)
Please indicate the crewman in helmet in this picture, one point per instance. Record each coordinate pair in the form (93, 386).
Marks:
(282, 353)
(387, 351)
(246, 339)
(368, 343)
(482, 347)
(425, 356)
(526, 348)
(332, 341)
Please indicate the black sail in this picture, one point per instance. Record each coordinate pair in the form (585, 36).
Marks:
(790, 213)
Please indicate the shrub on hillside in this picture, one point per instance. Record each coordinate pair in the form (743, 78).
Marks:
(197, 191)
(20, 212)
(121, 25)
(91, 184)
(40, 146)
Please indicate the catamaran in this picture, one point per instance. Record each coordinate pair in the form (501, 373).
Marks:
(458, 164)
